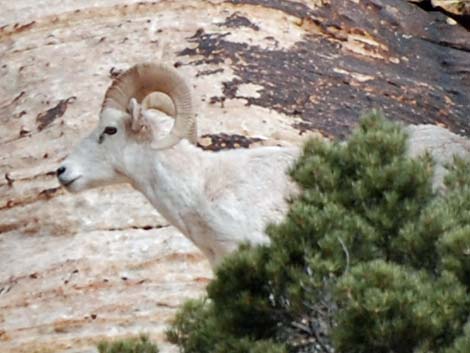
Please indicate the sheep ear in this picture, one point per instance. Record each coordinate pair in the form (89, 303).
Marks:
(136, 115)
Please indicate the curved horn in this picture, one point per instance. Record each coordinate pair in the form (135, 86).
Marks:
(162, 102)
(141, 80)
(159, 101)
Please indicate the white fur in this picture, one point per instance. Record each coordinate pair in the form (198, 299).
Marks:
(216, 199)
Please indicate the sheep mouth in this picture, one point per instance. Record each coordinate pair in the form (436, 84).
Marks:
(68, 183)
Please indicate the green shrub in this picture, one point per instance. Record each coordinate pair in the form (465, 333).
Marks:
(195, 317)
(195, 330)
(387, 307)
(368, 259)
(140, 344)
(462, 343)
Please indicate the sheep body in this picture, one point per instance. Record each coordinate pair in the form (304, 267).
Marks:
(217, 199)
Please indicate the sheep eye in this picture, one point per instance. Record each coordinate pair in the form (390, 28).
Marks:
(110, 130)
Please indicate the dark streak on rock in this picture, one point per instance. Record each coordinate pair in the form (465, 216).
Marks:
(236, 20)
(46, 194)
(9, 179)
(209, 72)
(147, 227)
(216, 99)
(5, 228)
(46, 118)
(421, 76)
(18, 97)
(223, 141)
(21, 28)
(24, 132)
(49, 193)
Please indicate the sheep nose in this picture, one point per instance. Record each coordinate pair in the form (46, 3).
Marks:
(61, 170)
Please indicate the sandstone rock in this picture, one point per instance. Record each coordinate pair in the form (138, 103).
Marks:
(442, 144)
(79, 268)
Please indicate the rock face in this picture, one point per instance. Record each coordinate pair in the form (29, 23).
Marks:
(79, 268)
(457, 7)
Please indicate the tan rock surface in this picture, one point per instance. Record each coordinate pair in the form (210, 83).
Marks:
(78, 268)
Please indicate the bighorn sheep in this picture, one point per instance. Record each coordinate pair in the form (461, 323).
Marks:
(216, 199)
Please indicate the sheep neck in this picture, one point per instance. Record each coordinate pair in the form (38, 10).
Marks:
(170, 179)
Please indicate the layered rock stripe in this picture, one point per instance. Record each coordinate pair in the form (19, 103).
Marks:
(79, 268)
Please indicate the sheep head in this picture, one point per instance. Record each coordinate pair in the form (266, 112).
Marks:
(124, 121)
